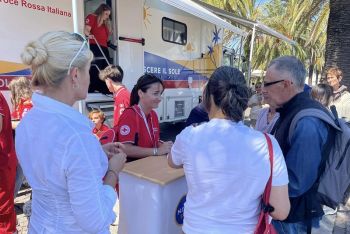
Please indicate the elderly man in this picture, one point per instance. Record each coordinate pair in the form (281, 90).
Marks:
(283, 86)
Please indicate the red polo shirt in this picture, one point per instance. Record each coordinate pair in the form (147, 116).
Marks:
(99, 132)
(132, 127)
(121, 102)
(101, 33)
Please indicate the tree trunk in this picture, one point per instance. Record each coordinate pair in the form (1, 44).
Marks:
(338, 38)
(311, 72)
(317, 73)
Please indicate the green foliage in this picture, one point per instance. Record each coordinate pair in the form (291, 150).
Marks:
(304, 21)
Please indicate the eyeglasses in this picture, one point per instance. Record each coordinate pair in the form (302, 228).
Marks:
(81, 38)
(267, 84)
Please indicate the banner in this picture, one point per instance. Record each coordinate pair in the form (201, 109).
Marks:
(23, 21)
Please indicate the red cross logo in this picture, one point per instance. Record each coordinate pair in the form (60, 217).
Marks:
(124, 130)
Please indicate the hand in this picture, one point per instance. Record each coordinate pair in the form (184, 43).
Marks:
(112, 149)
(116, 162)
(164, 147)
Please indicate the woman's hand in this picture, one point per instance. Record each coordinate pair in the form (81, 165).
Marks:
(116, 162)
(112, 149)
(164, 147)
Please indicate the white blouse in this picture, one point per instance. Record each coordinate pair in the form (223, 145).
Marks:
(64, 164)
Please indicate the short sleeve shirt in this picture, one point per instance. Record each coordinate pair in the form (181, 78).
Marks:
(121, 102)
(132, 123)
(227, 167)
(101, 33)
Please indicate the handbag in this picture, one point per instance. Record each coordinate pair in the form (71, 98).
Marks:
(264, 225)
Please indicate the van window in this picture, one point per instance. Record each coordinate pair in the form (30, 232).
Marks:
(174, 31)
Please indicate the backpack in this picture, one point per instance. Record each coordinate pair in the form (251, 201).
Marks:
(334, 171)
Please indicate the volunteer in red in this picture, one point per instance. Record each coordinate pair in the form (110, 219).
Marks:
(138, 127)
(98, 118)
(113, 76)
(8, 163)
(21, 98)
(98, 26)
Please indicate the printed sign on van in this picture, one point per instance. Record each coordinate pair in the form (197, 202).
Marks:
(25, 21)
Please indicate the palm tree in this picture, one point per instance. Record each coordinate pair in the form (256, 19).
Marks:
(303, 21)
(338, 38)
(316, 44)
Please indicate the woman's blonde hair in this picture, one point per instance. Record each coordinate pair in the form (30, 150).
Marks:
(100, 10)
(100, 113)
(52, 56)
(20, 88)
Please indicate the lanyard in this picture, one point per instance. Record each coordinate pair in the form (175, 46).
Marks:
(153, 139)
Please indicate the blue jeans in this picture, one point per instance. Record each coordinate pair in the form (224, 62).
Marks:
(19, 179)
(295, 228)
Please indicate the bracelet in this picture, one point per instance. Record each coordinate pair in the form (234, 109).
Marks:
(114, 173)
(155, 151)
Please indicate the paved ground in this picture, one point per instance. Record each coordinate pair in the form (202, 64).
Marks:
(338, 223)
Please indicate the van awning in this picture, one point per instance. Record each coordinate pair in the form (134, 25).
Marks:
(260, 27)
(200, 12)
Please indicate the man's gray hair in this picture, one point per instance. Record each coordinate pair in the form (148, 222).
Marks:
(293, 66)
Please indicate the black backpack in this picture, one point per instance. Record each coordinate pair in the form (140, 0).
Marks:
(334, 171)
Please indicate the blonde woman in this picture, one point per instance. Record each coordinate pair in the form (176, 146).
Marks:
(21, 98)
(98, 28)
(62, 160)
(21, 95)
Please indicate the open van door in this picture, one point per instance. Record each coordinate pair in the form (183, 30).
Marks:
(130, 44)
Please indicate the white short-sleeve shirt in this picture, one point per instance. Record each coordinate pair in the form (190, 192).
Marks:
(227, 167)
(65, 165)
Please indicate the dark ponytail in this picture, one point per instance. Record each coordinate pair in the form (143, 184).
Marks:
(229, 91)
(143, 83)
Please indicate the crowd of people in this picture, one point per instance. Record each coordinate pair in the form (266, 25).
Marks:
(74, 191)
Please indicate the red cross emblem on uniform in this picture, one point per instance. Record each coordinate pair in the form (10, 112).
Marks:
(124, 130)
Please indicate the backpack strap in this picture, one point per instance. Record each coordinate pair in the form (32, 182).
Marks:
(311, 112)
(267, 208)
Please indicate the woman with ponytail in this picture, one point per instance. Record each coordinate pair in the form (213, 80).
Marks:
(227, 164)
(138, 126)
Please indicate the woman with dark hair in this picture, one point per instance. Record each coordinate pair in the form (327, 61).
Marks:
(322, 93)
(227, 164)
(98, 28)
(138, 127)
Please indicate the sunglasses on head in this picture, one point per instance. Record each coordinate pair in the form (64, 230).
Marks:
(81, 38)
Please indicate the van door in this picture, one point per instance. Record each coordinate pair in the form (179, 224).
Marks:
(130, 48)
